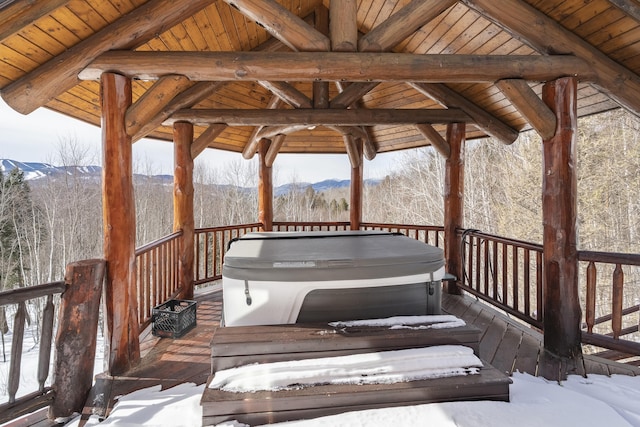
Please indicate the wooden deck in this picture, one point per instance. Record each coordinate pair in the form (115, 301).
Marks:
(511, 346)
(505, 343)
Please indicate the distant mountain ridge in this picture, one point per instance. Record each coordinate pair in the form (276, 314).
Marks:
(38, 170)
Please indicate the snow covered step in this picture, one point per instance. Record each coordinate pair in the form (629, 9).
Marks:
(282, 391)
(241, 345)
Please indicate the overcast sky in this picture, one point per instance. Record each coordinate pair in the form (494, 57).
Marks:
(37, 136)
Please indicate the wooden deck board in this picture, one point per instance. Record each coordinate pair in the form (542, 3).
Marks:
(507, 351)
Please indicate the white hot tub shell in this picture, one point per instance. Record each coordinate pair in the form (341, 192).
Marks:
(299, 277)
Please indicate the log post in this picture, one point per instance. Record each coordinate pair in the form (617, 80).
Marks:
(355, 206)
(122, 346)
(265, 187)
(453, 204)
(183, 204)
(561, 312)
(75, 345)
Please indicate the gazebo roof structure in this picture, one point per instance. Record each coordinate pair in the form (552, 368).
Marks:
(392, 73)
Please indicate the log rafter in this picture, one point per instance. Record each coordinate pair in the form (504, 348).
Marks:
(547, 36)
(541, 118)
(284, 25)
(487, 122)
(60, 74)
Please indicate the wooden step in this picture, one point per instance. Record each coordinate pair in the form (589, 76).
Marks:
(278, 406)
(241, 345)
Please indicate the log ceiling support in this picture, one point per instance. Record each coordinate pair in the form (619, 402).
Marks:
(402, 24)
(630, 7)
(357, 182)
(206, 138)
(274, 149)
(561, 313)
(452, 99)
(19, 14)
(119, 219)
(547, 36)
(269, 132)
(252, 145)
(283, 25)
(437, 141)
(150, 104)
(313, 117)
(46, 82)
(454, 204)
(337, 66)
(183, 218)
(186, 99)
(288, 93)
(343, 25)
(539, 116)
(265, 187)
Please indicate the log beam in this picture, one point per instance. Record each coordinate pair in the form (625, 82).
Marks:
(151, 103)
(402, 24)
(547, 36)
(351, 145)
(119, 218)
(265, 187)
(436, 140)
(252, 144)
(562, 314)
(274, 149)
(336, 66)
(451, 99)
(19, 14)
(186, 99)
(206, 138)
(60, 74)
(282, 24)
(313, 117)
(269, 132)
(343, 25)
(351, 94)
(539, 116)
(288, 93)
(183, 218)
(454, 204)
(630, 7)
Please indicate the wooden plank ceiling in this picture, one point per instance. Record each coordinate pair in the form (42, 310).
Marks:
(484, 60)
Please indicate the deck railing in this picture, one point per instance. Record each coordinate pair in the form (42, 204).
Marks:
(504, 272)
(611, 298)
(211, 245)
(43, 396)
(157, 274)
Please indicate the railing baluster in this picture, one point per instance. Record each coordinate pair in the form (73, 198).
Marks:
(505, 277)
(16, 351)
(46, 338)
(527, 282)
(516, 281)
(616, 303)
(590, 314)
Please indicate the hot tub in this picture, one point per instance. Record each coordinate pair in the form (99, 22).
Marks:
(299, 277)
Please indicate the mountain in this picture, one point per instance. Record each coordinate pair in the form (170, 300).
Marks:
(35, 170)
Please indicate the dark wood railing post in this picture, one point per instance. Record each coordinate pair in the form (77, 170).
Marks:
(265, 187)
(453, 204)
(75, 345)
(183, 204)
(119, 219)
(562, 314)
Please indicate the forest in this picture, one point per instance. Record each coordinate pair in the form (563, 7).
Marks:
(49, 222)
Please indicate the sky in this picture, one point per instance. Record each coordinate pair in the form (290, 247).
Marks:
(36, 138)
